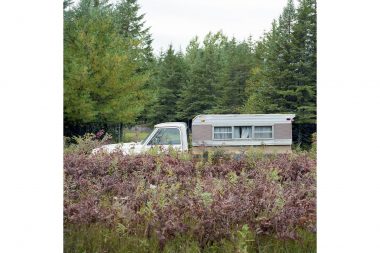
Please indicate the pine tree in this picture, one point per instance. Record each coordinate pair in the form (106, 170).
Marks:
(261, 86)
(200, 92)
(275, 88)
(132, 27)
(304, 51)
(100, 80)
(236, 71)
(170, 78)
(283, 79)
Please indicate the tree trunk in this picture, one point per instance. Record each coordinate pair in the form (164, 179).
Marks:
(299, 135)
(120, 132)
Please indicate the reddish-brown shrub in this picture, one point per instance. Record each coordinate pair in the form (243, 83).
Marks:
(164, 195)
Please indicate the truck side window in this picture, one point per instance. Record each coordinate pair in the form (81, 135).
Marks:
(166, 136)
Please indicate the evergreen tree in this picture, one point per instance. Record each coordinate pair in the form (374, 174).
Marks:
(261, 84)
(100, 80)
(304, 51)
(132, 27)
(200, 92)
(236, 71)
(272, 85)
(283, 78)
(170, 78)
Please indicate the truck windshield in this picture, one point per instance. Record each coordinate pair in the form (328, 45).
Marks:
(166, 136)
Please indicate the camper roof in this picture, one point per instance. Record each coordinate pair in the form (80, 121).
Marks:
(241, 119)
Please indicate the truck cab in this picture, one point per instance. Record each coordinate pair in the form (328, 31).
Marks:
(168, 134)
(164, 135)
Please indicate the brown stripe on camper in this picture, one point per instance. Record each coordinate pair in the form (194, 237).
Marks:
(282, 131)
(202, 132)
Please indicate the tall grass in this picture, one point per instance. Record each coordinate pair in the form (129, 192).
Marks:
(99, 238)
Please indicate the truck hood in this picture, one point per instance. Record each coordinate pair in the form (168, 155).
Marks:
(127, 148)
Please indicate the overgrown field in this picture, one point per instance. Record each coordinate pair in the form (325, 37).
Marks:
(172, 203)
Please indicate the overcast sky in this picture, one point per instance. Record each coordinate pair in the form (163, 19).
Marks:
(178, 21)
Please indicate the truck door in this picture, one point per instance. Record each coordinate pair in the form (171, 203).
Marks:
(166, 137)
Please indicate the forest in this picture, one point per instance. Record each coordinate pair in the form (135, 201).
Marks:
(113, 79)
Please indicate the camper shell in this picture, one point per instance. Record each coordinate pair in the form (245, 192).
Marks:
(236, 133)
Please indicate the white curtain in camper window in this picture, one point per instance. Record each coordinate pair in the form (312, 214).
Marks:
(222, 132)
(263, 132)
(244, 132)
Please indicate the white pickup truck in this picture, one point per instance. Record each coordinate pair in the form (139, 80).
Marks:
(235, 133)
(164, 135)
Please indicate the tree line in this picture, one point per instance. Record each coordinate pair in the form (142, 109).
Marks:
(112, 77)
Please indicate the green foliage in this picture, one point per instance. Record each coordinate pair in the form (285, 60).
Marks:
(216, 155)
(253, 155)
(243, 239)
(99, 238)
(84, 144)
(155, 151)
(200, 92)
(184, 156)
(232, 177)
(273, 174)
(131, 27)
(313, 150)
(169, 79)
(235, 72)
(103, 81)
(217, 70)
(283, 79)
(204, 196)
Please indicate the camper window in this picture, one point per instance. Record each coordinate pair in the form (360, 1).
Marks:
(242, 132)
(263, 132)
(222, 133)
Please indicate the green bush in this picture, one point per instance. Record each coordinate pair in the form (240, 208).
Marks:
(84, 144)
